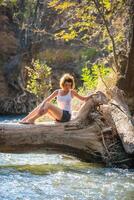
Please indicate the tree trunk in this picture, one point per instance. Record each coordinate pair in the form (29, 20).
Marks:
(91, 136)
(126, 82)
(129, 86)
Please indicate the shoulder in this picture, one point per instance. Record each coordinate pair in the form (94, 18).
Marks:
(56, 91)
(73, 92)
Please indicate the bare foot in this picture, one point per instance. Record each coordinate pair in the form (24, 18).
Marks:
(26, 122)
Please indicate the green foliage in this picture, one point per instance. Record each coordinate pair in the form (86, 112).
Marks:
(61, 6)
(88, 53)
(39, 78)
(70, 35)
(6, 2)
(107, 4)
(79, 21)
(90, 76)
(91, 21)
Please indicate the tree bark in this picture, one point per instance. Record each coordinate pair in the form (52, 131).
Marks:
(129, 86)
(123, 120)
(126, 82)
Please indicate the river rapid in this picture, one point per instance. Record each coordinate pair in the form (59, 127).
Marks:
(56, 176)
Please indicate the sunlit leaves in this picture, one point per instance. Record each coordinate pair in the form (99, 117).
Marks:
(61, 6)
(90, 76)
(107, 4)
(89, 80)
(100, 70)
(39, 78)
(83, 19)
(78, 19)
(66, 36)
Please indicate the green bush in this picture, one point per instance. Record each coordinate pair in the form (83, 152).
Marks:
(39, 79)
(91, 76)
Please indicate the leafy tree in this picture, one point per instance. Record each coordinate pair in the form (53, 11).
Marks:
(39, 79)
(89, 20)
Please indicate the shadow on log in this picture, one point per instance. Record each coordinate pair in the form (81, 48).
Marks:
(102, 132)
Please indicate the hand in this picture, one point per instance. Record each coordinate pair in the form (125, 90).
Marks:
(90, 95)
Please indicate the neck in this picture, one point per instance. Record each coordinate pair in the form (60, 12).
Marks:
(65, 90)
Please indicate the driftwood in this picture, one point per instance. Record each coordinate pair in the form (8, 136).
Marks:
(92, 135)
(123, 120)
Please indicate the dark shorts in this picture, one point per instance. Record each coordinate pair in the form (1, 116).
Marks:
(65, 117)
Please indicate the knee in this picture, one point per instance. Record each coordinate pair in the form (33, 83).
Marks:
(47, 105)
(41, 111)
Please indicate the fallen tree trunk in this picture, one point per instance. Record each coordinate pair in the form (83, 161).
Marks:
(91, 136)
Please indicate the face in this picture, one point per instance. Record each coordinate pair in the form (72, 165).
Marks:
(67, 85)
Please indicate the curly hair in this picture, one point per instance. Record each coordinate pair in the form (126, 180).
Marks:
(67, 78)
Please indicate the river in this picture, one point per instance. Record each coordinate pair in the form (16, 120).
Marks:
(49, 176)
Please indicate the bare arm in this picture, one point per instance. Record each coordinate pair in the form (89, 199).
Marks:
(50, 97)
(82, 98)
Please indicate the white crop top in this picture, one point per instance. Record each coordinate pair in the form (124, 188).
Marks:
(64, 102)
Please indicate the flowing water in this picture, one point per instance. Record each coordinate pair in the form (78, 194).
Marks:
(49, 176)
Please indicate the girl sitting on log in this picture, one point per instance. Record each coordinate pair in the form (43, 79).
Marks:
(62, 112)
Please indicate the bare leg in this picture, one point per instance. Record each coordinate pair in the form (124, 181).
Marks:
(32, 113)
(50, 114)
(48, 107)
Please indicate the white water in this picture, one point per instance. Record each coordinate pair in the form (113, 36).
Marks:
(55, 182)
